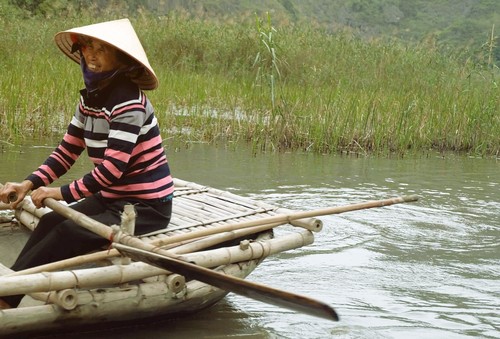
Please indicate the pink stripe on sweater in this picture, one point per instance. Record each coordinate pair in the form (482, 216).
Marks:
(147, 196)
(81, 186)
(95, 161)
(128, 108)
(147, 145)
(60, 159)
(42, 176)
(101, 179)
(49, 171)
(122, 156)
(113, 170)
(161, 161)
(147, 185)
(73, 192)
(148, 156)
(66, 152)
(74, 141)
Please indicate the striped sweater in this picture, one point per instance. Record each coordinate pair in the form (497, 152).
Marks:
(118, 128)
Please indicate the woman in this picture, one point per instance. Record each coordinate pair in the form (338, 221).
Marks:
(115, 122)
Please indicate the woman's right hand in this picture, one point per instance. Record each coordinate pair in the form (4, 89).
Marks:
(14, 192)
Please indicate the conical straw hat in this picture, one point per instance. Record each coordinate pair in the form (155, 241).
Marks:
(118, 33)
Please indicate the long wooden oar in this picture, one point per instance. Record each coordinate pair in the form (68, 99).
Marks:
(236, 285)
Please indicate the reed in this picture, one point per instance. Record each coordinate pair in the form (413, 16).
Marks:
(280, 87)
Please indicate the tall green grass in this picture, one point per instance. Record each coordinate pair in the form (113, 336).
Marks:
(279, 87)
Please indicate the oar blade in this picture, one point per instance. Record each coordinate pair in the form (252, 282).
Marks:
(239, 286)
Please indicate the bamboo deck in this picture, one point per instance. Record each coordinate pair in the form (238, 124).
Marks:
(115, 290)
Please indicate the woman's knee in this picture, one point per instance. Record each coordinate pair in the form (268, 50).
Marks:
(51, 218)
(45, 224)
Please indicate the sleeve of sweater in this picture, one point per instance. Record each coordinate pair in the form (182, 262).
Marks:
(63, 157)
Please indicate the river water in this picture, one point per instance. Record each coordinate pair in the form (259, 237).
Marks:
(428, 269)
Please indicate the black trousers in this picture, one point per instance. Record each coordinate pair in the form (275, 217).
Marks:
(56, 238)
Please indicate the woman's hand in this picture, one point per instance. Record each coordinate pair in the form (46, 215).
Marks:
(38, 195)
(14, 192)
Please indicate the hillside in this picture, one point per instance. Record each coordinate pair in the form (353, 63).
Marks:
(464, 25)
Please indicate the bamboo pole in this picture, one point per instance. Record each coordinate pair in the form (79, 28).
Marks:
(118, 274)
(27, 219)
(82, 278)
(64, 298)
(175, 246)
(286, 218)
(4, 206)
(27, 205)
(139, 301)
(269, 221)
(6, 219)
(212, 240)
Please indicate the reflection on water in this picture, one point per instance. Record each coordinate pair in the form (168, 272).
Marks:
(421, 270)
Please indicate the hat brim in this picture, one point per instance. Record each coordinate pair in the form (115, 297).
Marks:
(119, 34)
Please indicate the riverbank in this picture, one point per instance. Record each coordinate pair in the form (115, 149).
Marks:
(277, 87)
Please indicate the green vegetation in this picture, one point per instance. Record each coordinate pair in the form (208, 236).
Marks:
(279, 86)
(463, 25)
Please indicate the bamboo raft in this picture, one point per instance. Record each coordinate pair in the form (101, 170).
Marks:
(215, 239)
(212, 228)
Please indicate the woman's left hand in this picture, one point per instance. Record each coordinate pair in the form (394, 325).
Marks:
(38, 195)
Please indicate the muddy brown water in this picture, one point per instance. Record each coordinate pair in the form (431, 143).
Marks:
(429, 269)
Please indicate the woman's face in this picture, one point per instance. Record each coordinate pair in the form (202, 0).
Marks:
(99, 56)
